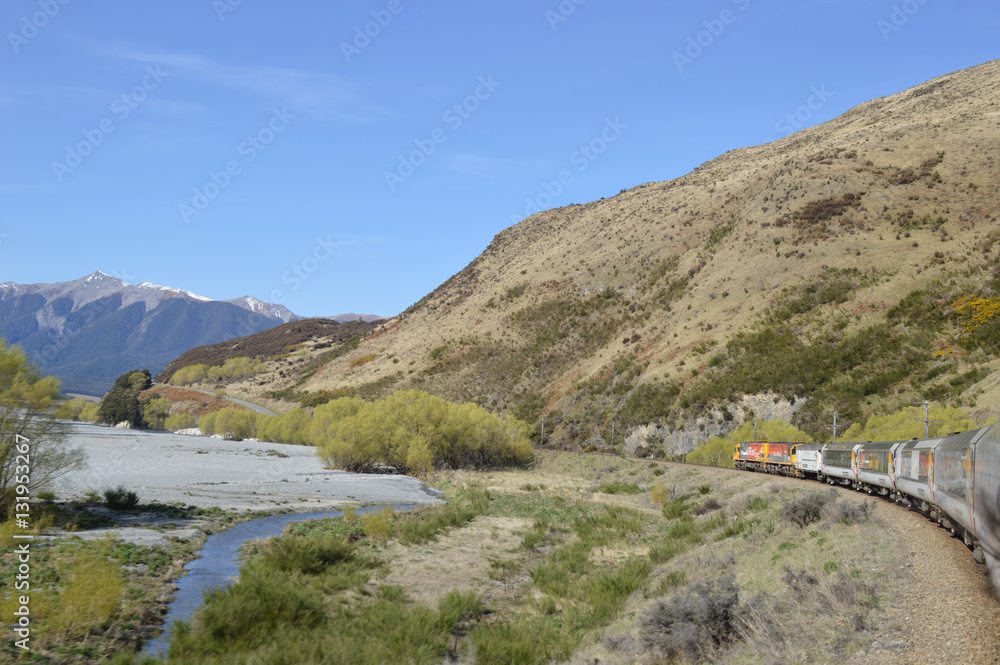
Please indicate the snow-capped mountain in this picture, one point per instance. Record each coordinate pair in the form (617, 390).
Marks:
(268, 309)
(90, 330)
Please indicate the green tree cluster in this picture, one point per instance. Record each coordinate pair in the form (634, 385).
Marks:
(908, 423)
(77, 409)
(718, 450)
(233, 423)
(233, 369)
(27, 412)
(154, 412)
(122, 403)
(409, 431)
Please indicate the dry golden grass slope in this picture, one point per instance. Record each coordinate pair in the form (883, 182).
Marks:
(585, 304)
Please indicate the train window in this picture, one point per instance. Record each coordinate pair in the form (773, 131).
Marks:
(950, 473)
(925, 465)
(875, 461)
(914, 464)
(906, 464)
(837, 458)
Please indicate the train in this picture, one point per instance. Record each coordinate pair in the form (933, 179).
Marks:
(954, 479)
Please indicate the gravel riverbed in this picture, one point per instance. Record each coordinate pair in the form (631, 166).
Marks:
(232, 475)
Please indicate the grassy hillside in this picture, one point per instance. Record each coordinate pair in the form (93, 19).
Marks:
(824, 272)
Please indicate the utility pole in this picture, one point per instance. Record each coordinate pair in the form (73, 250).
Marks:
(834, 426)
(755, 430)
(612, 437)
(927, 417)
(541, 442)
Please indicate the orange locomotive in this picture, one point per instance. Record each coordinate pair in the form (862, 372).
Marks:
(767, 457)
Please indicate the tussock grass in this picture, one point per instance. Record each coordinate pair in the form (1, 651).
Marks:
(675, 508)
(120, 498)
(618, 487)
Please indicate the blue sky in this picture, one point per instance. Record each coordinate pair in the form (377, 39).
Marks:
(234, 147)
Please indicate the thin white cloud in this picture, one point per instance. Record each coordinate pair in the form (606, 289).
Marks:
(98, 99)
(318, 93)
(489, 167)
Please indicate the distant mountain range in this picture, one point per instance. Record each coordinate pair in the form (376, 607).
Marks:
(91, 330)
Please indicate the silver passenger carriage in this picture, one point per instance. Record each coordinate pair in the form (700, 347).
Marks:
(987, 500)
(838, 463)
(954, 459)
(874, 468)
(913, 471)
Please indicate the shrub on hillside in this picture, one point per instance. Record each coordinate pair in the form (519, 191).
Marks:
(808, 508)
(695, 621)
(231, 370)
(907, 423)
(850, 512)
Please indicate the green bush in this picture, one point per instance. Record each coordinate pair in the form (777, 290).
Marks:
(234, 424)
(457, 608)
(522, 642)
(675, 508)
(179, 421)
(87, 593)
(206, 423)
(120, 498)
(244, 616)
(231, 370)
(415, 431)
(607, 593)
(310, 555)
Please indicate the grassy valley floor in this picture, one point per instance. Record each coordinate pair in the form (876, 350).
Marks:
(588, 559)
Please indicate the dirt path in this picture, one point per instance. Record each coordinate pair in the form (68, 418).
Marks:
(949, 612)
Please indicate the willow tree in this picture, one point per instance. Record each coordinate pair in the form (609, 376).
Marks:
(28, 423)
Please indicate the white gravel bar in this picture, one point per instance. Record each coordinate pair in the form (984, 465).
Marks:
(233, 475)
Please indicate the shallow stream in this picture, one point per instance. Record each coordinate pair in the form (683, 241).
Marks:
(218, 564)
